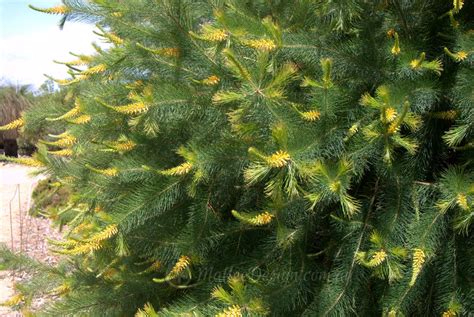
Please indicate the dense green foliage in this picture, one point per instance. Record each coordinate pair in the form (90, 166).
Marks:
(250, 158)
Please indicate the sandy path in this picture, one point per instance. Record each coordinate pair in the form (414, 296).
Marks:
(16, 185)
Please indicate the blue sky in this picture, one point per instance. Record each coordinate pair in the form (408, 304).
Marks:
(30, 41)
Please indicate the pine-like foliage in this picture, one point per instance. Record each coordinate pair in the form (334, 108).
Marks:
(250, 158)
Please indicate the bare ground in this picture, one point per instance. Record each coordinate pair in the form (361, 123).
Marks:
(18, 231)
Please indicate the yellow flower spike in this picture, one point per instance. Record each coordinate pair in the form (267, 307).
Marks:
(71, 113)
(232, 311)
(216, 36)
(419, 258)
(457, 57)
(27, 161)
(335, 186)
(14, 300)
(125, 146)
(105, 234)
(166, 51)
(449, 313)
(457, 5)
(95, 70)
(117, 14)
(261, 219)
(182, 264)
(110, 172)
(82, 60)
(396, 46)
(66, 141)
(131, 109)
(179, 170)
(169, 51)
(279, 159)
(392, 313)
(462, 201)
(154, 267)
(311, 115)
(92, 244)
(114, 38)
(378, 258)
(390, 114)
(81, 119)
(15, 124)
(62, 9)
(211, 80)
(63, 153)
(62, 289)
(416, 63)
(265, 45)
(211, 34)
(353, 129)
(106, 172)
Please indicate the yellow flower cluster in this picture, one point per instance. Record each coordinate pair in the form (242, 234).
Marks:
(214, 35)
(232, 311)
(114, 38)
(65, 141)
(262, 219)
(123, 146)
(28, 161)
(133, 108)
(63, 153)
(462, 201)
(95, 70)
(419, 258)
(311, 115)
(378, 258)
(81, 119)
(91, 244)
(449, 313)
(180, 266)
(211, 80)
(279, 159)
(265, 45)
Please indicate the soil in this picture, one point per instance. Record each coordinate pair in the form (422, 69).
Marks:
(19, 231)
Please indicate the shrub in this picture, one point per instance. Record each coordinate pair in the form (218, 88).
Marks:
(284, 158)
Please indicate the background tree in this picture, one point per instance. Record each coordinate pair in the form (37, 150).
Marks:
(232, 158)
(14, 100)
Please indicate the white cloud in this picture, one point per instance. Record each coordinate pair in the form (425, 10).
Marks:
(25, 58)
